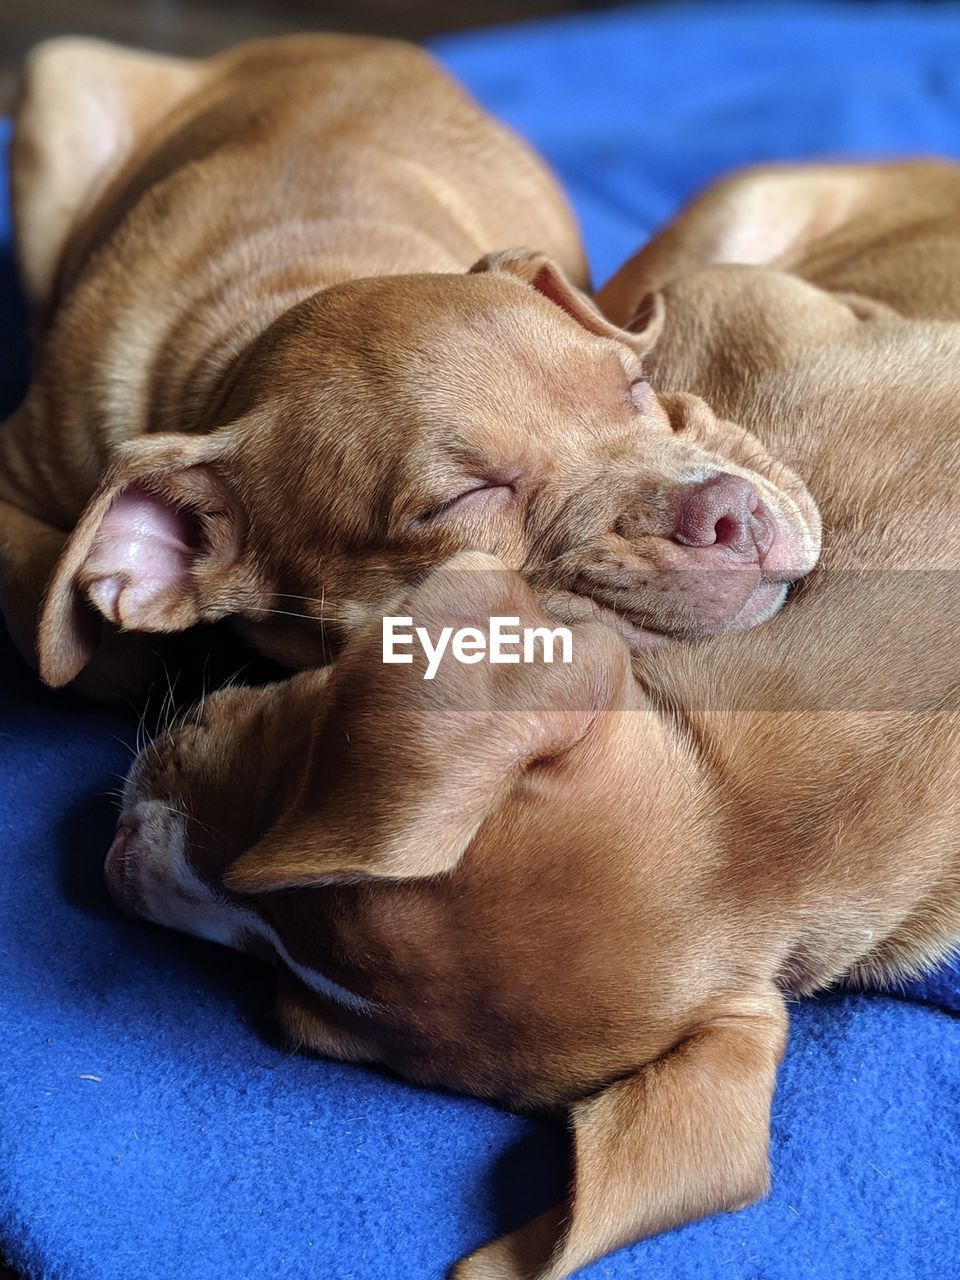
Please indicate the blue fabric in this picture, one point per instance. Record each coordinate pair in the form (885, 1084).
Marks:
(149, 1124)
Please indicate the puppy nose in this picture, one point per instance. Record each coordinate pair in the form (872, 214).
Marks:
(724, 511)
(116, 867)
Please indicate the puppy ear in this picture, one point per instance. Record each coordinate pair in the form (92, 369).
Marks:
(686, 1137)
(405, 770)
(84, 107)
(158, 548)
(543, 274)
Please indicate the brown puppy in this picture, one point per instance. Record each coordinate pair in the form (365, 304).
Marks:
(269, 386)
(591, 886)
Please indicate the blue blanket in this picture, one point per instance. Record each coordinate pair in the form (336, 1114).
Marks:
(151, 1126)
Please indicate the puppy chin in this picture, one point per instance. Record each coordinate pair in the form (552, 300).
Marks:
(766, 601)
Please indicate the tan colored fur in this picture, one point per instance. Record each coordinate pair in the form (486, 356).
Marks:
(673, 849)
(257, 312)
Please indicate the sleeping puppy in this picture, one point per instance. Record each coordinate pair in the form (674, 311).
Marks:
(285, 367)
(594, 885)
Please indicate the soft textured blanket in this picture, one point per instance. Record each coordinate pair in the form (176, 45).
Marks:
(150, 1127)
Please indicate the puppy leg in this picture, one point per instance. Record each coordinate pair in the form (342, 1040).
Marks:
(870, 231)
(685, 1137)
(767, 216)
(84, 106)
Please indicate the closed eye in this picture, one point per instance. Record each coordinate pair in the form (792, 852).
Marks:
(479, 498)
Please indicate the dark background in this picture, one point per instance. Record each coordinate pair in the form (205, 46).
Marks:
(203, 26)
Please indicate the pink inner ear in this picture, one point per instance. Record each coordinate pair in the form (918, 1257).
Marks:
(568, 300)
(140, 560)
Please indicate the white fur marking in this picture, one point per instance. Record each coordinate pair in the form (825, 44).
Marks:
(175, 896)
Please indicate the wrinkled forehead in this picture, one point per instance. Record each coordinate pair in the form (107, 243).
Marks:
(467, 349)
(424, 374)
(509, 357)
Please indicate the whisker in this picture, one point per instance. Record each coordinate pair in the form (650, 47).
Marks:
(232, 681)
(198, 714)
(286, 613)
(189, 817)
(292, 595)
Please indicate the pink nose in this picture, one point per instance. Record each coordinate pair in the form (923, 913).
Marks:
(725, 511)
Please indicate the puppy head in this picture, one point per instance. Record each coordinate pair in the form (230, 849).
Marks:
(323, 798)
(400, 844)
(382, 425)
(491, 882)
(410, 801)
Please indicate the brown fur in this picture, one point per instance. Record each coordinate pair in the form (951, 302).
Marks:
(259, 322)
(665, 853)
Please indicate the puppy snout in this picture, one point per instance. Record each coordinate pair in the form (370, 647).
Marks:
(117, 869)
(725, 511)
(143, 864)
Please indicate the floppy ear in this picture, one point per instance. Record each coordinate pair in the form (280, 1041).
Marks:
(158, 548)
(84, 107)
(405, 770)
(685, 1137)
(543, 274)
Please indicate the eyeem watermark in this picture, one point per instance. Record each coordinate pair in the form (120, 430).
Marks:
(506, 642)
